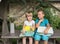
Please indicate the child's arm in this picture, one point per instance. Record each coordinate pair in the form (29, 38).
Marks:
(46, 31)
(38, 24)
(33, 27)
(23, 30)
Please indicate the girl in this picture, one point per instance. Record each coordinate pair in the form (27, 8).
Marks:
(28, 28)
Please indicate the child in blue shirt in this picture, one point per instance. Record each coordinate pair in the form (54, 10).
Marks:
(41, 21)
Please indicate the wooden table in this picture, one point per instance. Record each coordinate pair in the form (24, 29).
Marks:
(16, 36)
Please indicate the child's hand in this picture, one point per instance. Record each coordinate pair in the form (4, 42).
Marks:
(46, 32)
(32, 29)
(41, 20)
(23, 31)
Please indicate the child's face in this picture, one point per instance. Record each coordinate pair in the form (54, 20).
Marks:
(29, 17)
(40, 15)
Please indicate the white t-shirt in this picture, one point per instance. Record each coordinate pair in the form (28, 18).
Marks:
(31, 23)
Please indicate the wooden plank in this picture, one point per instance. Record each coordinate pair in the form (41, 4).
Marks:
(12, 35)
(56, 34)
(16, 35)
(53, 0)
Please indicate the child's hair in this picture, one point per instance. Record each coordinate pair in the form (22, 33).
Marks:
(29, 13)
(40, 10)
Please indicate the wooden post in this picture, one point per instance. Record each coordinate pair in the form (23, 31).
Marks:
(4, 25)
(54, 41)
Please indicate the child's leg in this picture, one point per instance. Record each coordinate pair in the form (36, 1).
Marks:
(45, 42)
(37, 38)
(24, 40)
(36, 42)
(30, 40)
(45, 38)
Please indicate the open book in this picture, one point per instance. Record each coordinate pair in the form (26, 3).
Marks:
(41, 30)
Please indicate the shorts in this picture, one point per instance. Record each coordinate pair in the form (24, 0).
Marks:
(38, 37)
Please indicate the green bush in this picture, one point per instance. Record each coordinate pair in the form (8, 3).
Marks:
(53, 19)
(19, 27)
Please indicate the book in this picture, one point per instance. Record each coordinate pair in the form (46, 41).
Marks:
(41, 30)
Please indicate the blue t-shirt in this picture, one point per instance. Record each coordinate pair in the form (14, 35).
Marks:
(43, 23)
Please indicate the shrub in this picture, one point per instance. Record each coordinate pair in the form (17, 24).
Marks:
(53, 19)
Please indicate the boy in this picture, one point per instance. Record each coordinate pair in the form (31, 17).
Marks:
(41, 21)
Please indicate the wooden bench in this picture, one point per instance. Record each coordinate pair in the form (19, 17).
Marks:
(56, 35)
(16, 35)
(6, 35)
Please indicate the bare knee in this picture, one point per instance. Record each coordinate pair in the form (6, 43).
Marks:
(45, 42)
(30, 38)
(36, 42)
(24, 38)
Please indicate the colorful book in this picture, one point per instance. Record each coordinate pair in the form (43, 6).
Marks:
(41, 30)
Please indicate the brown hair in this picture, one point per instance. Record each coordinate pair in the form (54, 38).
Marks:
(40, 10)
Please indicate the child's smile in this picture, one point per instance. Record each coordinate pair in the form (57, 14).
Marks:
(40, 15)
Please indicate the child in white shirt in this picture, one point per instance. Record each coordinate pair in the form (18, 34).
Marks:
(28, 28)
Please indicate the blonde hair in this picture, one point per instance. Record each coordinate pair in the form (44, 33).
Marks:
(29, 13)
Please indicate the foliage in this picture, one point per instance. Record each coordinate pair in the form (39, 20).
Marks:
(13, 41)
(11, 18)
(18, 27)
(53, 19)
